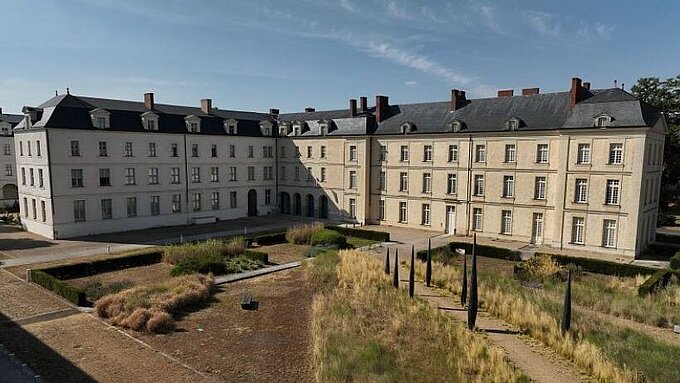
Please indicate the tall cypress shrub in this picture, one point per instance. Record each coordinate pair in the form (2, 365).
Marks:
(395, 281)
(566, 312)
(428, 268)
(387, 262)
(463, 293)
(412, 273)
(472, 307)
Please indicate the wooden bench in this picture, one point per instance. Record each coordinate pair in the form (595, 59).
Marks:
(246, 301)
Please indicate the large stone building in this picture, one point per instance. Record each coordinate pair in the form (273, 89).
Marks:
(8, 177)
(578, 169)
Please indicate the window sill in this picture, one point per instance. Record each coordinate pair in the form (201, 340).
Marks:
(611, 205)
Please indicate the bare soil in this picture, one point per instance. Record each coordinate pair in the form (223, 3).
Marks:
(19, 299)
(284, 252)
(159, 272)
(270, 344)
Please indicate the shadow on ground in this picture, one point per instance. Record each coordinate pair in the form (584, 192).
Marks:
(23, 244)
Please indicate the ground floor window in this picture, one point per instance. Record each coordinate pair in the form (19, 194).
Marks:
(477, 219)
(267, 197)
(609, 233)
(107, 212)
(78, 210)
(506, 222)
(155, 205)
(176, 203)
(577, 230)
(131, 207)
(352, 207)
(233, 202)
(381, 210)
(215, 201)
(403, 212)
(425, 216)
(196, 201)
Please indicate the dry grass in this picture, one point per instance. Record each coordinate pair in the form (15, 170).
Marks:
(366, 331)
(302, 235)
(150, 308)
(172, 254)
(497, 298)
(538, 268)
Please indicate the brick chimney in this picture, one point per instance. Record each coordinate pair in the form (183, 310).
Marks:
(575, 94)
(148, 101)
(506, 93)
(0, 110)
(310, 110)
(352, 107)
(274, 112)
(382, 107)
(586, 85)
(529, 91)
(457, 99)
(363, 104)
(206, 105)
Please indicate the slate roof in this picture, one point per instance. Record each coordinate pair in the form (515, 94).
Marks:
(13, 119)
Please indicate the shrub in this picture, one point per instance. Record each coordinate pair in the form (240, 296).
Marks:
(96, 290)
(602, 267)
(675, 261)
(302, 235)
(373, 235)
(655, 282)
(259, 256)
(328, 237)
(241, 264)
(234, 247)
(443, 254)
(269, 239)
(150, 308)
(202, 263)
(665, 219)
(537, 269)
(314, 251)
(668, 238)
(172, 254)
(58, 287)
(482, 250)
(83, 269)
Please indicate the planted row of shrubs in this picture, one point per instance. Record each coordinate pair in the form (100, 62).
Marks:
(488, 251)
(57, 286)
(83, 269)
(657, 281)
(379, 236)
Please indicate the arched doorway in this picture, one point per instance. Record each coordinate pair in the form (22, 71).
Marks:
(310, 205)
(10, 191)
(252, 203)
(298, 204)
(323, 207)
(285, 203)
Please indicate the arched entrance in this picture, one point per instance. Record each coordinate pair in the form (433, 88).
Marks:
(323, 207)
(10, 191)
(252, 203)
(310, 205)
(298, 204)
(285, 203)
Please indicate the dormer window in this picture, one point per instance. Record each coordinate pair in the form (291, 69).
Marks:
(266, 128)
(100, 118)
(323, 129)
(457, 125)
(6, 129)
(193, 124)
(150, 121)
(407, 127)
(231, 126)
(603, 121)
(512, 123)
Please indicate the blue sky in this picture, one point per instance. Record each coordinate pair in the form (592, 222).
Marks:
(256, 55)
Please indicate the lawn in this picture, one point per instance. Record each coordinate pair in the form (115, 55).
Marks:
(357, 242)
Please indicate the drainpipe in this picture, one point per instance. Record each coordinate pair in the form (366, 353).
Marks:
(186, 179)
(469, 187)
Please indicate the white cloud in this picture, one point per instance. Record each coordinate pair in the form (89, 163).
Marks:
(604, 30)
(411, 83)
(347, 5)
(542, 22)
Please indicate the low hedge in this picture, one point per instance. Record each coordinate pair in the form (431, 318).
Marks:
(379, 236)
(260, 256)
(657, 281)
(328, 237)
(269, 239)
(603, 267)
(84, 269)
(668, 238)
(675, 261)
(58, 287)
(486, 251)
(204, 264)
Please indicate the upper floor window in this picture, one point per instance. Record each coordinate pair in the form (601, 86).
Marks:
(323, 151)
(403, 181)
(603, 120)
(382, 153)
(150, 121)
(510, 152)
(353, 153)
(193, 124)
(479, 185)
(309, 152)
(231, 126)
(404, 153)
(453, 153)
(194, 150)
(152, 149)
(512, 123)
(213, 150)
(457, 126)
(427, 153)
(75, 148)
(581, 191)
(480, 153)
(615, 154)
(612, 193)
(128, 149)
(542, 153)
(251, 151)
(583, 156)
(103, 149)
(100, 118)
(174, 150)
(508, 186)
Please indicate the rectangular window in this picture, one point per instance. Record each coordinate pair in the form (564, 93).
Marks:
(609, 233)
(232, 173)
(43, 210)
(153, 176)
(174, 175)
(283, 173)
(427, 182)
(107, 208)
(38, 149)
(233, 203)
(34, 208)
(427, 153)
(381, 210)
(213, 150)
(506, 222)
(542, 153)
(76, 178)
(214, 174)
(477, 219)
(251, 151)
(310, 175)
(352, 207)
(7, 150)
(267, 197)
(196, 201)
(215, 200)
(540, 187)
(195, 174)
(578, 230)
(508, 186)
(251, 173)
(23, 176)
(128, 149)
(583, 156)
(105, 177)
(130, 176)
(425, 214)
(103, 149)
(615, 154)
(353, 153)
(480, 153)
(194, 150)
(282, 152)
(268, 172)
(323, 174)
(451, 184)
(404, 153)
(151, 125)
(232, 151)
(510, 150)
(296, 176)
(403, 212)
(352, 179)
(174, 151)
(31, 176)
(131, 207)
(309, 152)
(323, 151)
(581, 191)
(155, 205)
(382, 185)
(403, 181)
(75, 148)
(612, 194)
(176, 203)
(453, 153)
(382, 153)
(41, 180)
(25, 207)
(78, 210)
(479, 185)
(29, 148)
(152, 149)
(9, 172)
